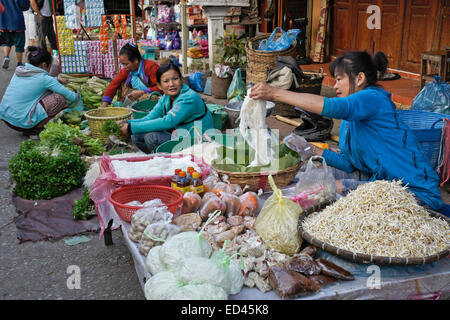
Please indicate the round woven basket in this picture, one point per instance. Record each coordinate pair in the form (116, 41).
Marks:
(97, 117)
(260, 62)
(365, 258)
(259, 180)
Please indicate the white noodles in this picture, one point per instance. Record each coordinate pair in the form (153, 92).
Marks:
(253, 128)
(155, 167)
(380, 218)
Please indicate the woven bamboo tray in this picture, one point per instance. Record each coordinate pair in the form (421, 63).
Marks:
(97, 117)
(259, 180)
(365, 258)
(260, 62)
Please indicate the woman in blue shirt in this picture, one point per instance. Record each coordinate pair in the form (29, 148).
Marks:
(179, 110)
(375, 144)
(33, 97)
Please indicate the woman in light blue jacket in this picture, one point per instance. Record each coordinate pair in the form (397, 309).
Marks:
(33, 97)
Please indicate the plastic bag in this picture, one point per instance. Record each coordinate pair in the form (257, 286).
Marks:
(222, 187)
(277, 223)
(196, 81)
(315, 183)
(145, 216)
(191, 202)
(237, 90)
(204, 291)
(231, 267)
(232, 202)
(282, 43)
(156, 234)
(434, 97)
(211, 203)
(299, 145)
(201, 270)
(185, 245)
(162, 286)
(249, 204)
(210, 182)
(153, 263)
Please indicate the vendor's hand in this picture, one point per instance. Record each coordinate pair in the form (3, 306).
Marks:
(63, 80)
(105, 104)
(316, 150)
(263, 91)
(136, 94)
(124, 129)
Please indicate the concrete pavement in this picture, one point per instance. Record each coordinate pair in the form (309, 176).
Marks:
(40, 270)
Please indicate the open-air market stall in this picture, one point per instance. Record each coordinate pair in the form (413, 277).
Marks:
(94, 49)
(235, 215)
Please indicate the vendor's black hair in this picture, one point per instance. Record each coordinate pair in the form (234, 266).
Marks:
(354, 62)
(37, 55)
(166, 67)
(131, 51)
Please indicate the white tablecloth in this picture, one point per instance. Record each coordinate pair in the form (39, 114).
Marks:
(395, 282)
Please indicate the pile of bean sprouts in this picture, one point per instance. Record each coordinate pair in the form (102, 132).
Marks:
(380, 218)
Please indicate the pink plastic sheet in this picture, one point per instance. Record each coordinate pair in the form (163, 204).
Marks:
(108, 181)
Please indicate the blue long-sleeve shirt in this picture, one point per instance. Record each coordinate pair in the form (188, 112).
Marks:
(375, 141)
(12, 19)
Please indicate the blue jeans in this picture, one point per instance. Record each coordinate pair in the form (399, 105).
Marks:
(149, 142)
(350, 181)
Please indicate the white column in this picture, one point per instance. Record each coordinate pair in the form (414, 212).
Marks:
(215, 29)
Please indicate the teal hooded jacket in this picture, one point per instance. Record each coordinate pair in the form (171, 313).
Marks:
(187, 110)
(374, 140)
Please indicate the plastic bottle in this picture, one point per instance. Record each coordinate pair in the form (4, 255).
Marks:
(175, 178)
(189, 172)
(197, 184)
(176, 41)
(183, 185)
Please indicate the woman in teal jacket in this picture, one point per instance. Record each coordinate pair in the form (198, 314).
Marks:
(180, 109)
(33, 97)
(375, 144)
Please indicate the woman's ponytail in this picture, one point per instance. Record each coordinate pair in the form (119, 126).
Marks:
(381, 63)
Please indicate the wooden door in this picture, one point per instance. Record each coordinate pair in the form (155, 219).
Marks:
(363, 37)
(342, 27)
(389, 38)
(420, 26)
(443, 35)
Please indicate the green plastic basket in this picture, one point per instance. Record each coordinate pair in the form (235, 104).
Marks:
(220, 116)
(143, 108)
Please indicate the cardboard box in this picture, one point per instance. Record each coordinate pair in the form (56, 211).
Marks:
(234, 11)
(239, 30)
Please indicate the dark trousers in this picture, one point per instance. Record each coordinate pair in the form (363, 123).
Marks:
(44, 28)
(149, 142)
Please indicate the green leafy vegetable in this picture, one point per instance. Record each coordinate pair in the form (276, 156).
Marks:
(110, 128)
(62, 136)
(42, 173)
(83, 207)
(242, 155)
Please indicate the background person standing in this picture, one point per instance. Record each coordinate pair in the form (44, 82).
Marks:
(43, 10)
(12, 25)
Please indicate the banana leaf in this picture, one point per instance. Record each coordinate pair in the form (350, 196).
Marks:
(238, 158)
